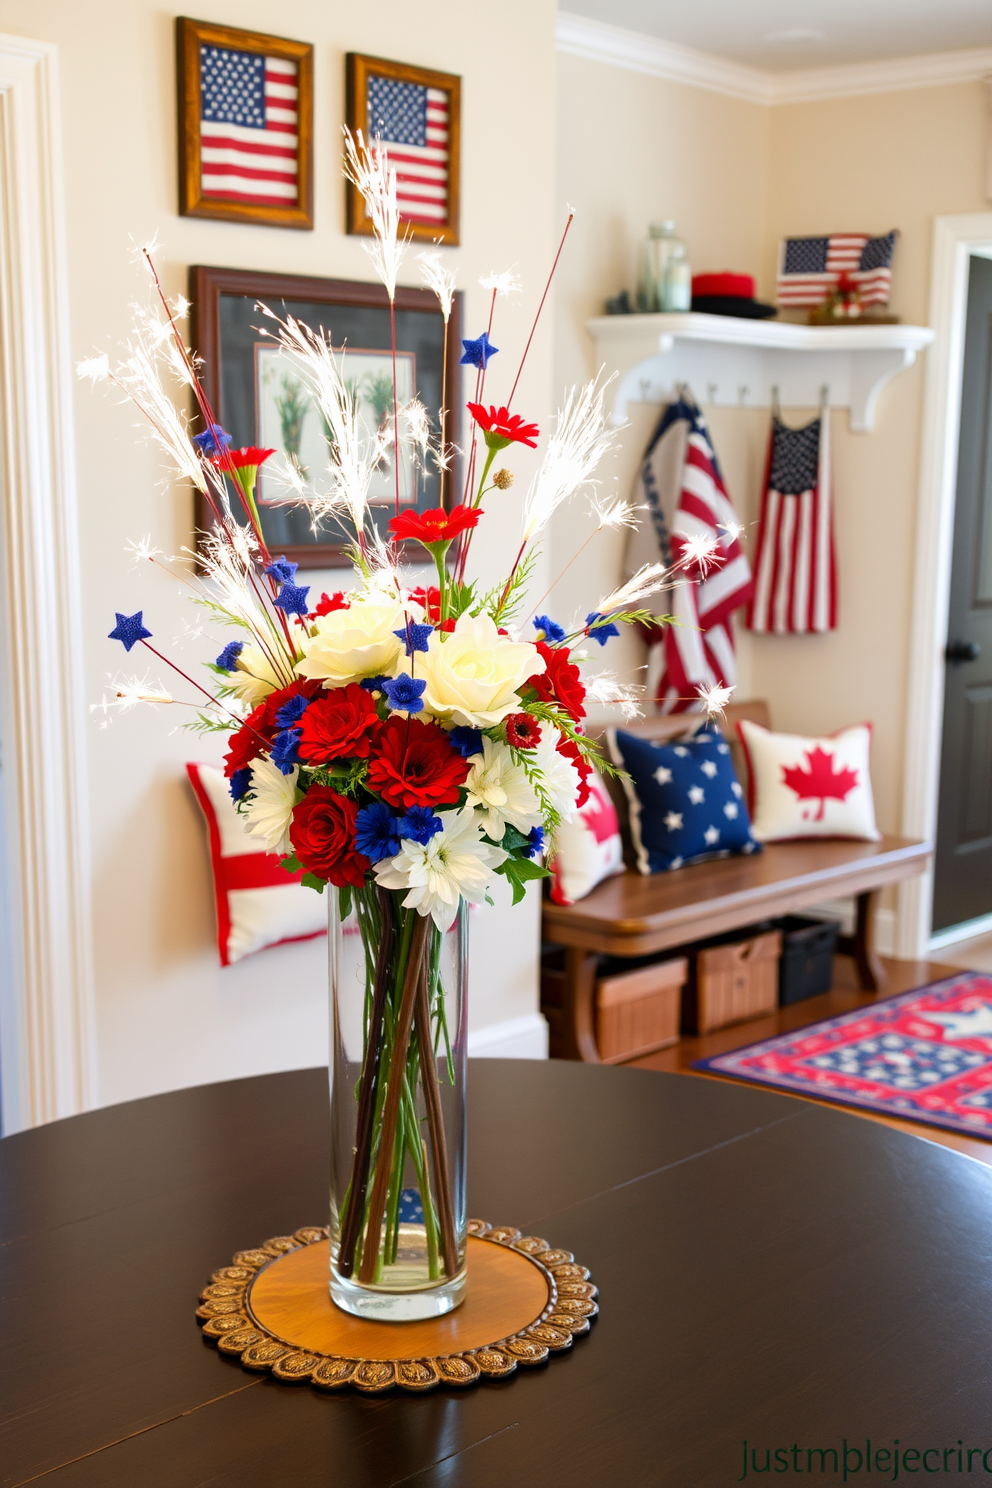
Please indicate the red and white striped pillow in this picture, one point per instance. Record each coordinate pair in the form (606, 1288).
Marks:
(258, 903)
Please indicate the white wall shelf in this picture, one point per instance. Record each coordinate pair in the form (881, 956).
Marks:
(731, 362)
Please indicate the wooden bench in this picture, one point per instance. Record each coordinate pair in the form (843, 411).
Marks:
(635, 915)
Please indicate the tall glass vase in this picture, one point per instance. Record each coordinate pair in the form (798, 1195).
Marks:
(398, 1127)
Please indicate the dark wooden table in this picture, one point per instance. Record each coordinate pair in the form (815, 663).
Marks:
(769, 1271)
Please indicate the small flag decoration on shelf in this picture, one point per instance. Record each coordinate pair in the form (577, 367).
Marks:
(245, 125)
(248, 127)
(811, 268)
(412, 115)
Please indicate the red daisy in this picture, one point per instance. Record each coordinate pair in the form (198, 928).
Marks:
(522, 731)
(434, 527)
(249, 457)
(502, 428)
(415, 765)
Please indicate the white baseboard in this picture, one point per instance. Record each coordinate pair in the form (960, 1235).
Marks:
(515, 1038)
(842, 910)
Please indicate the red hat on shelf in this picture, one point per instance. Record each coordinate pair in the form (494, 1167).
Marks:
(728, 294)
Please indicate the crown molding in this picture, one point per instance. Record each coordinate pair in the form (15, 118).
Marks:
(596, 41)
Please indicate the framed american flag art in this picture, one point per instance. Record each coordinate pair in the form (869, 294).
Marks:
(245, 125)
(416, 116)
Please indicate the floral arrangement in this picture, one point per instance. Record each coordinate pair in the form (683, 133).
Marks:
(405, 744)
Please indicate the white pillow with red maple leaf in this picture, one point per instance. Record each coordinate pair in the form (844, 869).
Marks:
(803, 787)
(588, 848)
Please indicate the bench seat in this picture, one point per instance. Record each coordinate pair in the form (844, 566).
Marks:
(635, 915)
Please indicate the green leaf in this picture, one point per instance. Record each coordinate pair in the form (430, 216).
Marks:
(312, 881)
(344, 902)
(519, 872)
(291, 864)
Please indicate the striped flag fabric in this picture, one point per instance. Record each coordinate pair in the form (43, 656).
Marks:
(412, 124)
(699, 650)
(249, 114)
(809, 268)
(795, 581)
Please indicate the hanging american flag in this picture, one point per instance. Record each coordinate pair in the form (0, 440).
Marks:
(248, 127)
(809, 268)
(680, 471)
(412, 123)
(795, 581)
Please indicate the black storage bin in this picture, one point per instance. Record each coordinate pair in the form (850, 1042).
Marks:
(807, 963)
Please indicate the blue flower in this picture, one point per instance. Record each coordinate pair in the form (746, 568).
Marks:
(128, 630)
(377, 832)
(414, 637)
(467, 741)
(373, 684)
(213, 441)
(240, 783)
(535, 841)
(292, 599)
(285, 753)
(229, 656)
(282, 570)
(292, 711)
(600, 629)
(419, 825)
(478, 352)
(405, 693)
(552, 630)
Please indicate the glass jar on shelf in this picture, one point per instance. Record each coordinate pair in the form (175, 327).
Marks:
(664, 279)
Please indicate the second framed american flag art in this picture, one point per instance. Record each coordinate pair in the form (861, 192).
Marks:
(415, 114)
(245, 125)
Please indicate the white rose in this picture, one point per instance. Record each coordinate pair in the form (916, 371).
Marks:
(473, 673)
(354, 643)
(253, 677)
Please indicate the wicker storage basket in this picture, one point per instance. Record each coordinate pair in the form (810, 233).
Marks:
(638, 1011)
(731, 983)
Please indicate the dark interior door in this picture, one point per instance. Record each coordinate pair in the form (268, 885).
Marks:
(963, 865)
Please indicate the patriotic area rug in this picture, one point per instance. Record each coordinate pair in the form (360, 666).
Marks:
(924, 1056)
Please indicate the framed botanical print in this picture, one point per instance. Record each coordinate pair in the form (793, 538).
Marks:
(260, 397)
(416, 115)
(245, 125)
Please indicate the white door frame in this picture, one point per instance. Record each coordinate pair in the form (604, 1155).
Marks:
(46, 1018)
(955, 240)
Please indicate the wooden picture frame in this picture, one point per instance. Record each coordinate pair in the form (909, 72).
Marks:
(249, 166)
(435, 219)
(223, 331)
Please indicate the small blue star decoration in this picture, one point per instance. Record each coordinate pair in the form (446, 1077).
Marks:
(598, 628)
(282, 570)
(414, 636)
(552, 630)
(213, 441)
(129, 630)
(405, 693)
(292, 599)
(478, 352)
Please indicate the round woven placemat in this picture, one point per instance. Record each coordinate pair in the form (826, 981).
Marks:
(271, 1308)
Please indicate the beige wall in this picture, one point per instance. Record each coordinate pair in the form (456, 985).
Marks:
(738, 177)
(167, 1016)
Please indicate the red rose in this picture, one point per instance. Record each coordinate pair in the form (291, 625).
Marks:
(336, 601)
(434, 526)
(336, 724)
(572, 752)
(560, 681)
(323, 836)
(522, 731)
(413, 764)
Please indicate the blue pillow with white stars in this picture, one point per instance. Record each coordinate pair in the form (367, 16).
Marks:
(686, 803)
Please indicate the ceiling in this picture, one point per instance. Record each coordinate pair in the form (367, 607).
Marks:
(786, 35)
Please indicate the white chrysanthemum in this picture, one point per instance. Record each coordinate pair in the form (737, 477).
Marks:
(559, 779)
(254, 677)
(498, 785)
(269, 811)
(455, 864)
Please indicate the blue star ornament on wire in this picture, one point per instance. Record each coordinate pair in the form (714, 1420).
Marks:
(213, 441)
(478, 352)
(598, 628)
(414, 636)
(282, 570)
(292, 599)
(405, 693)
(129, 630)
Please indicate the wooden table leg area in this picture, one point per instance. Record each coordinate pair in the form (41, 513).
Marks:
(861, 945)
(578, 1012)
